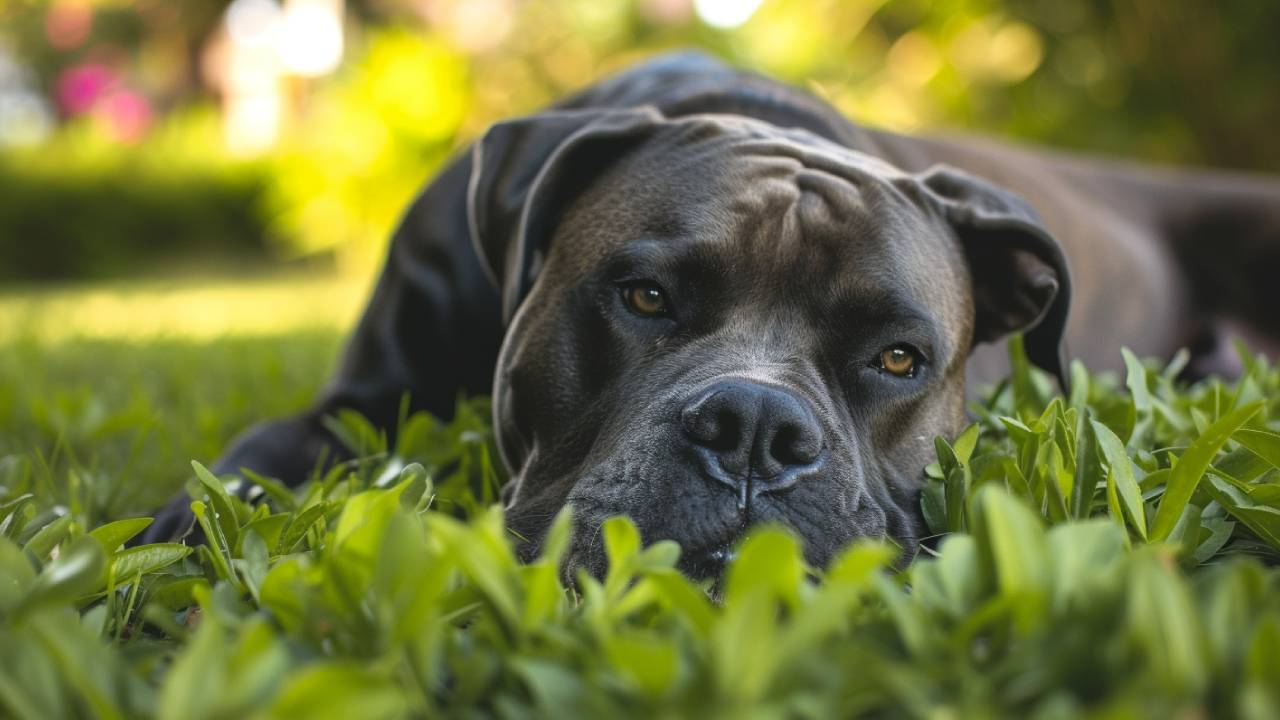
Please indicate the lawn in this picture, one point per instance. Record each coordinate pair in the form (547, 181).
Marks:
(1108, 554)
(136, 379)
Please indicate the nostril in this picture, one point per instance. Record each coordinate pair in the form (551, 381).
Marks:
(794, 445)
(786, 447)
(712, 424)
(728, 431)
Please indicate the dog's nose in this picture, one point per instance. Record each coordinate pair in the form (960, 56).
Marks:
(755, 437)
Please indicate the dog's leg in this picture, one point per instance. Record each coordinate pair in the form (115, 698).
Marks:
(431, 331)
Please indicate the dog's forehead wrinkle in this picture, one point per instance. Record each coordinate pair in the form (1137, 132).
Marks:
(828, 235)
(750, 136)
(747, 212)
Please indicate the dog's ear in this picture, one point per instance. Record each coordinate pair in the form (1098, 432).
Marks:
(1021, 282)
(524, 172)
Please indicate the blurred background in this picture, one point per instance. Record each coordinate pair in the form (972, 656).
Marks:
(269, 145)
(195, 195)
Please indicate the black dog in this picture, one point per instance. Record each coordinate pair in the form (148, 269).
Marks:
(704, 300)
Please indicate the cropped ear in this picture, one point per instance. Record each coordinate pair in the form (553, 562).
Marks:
(1021, 282)
(525, 171)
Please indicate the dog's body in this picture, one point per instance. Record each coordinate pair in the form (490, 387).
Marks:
(690, 291)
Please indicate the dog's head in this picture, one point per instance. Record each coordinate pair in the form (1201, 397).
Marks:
(715, 322)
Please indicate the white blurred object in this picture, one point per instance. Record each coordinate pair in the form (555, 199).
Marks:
(25, 117)
(253, 23)
(310, 42)
(261, 44)
(251, 122)
(725, 14)
(473, 25)
(244, 64)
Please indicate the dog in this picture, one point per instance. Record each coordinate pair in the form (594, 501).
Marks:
(705, 300)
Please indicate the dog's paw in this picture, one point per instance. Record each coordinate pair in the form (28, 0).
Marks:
(174, 523)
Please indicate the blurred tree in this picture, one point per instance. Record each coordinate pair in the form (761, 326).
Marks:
(1149, 79)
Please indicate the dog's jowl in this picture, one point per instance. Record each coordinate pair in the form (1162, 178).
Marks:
(705, 300)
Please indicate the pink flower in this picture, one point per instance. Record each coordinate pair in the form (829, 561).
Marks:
(81, 86)
(127, 113)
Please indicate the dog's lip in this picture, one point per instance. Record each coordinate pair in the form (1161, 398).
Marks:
(722, 552)
(711, 557)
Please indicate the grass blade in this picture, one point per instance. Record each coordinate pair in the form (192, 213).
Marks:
(1186, 475)
(1121, 476)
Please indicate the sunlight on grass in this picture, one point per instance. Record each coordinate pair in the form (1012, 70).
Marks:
(185, 309)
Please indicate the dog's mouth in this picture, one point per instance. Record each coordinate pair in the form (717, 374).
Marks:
(708, 560)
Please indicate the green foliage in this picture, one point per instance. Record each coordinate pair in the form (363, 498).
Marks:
(1096, 555)
(1195, 467)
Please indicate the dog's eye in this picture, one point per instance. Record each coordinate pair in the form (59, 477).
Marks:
(645, 298)
(898, 360)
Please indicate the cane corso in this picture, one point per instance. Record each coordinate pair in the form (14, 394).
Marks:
(705, 300)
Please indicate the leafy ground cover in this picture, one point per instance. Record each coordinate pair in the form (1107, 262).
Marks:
(1105, 554)
(113, 425)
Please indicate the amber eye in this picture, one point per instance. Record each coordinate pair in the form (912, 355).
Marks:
(898, 360)
(646, 299)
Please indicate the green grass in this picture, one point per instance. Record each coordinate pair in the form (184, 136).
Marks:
(125, 419)
(124, 382)
(1108, 554)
